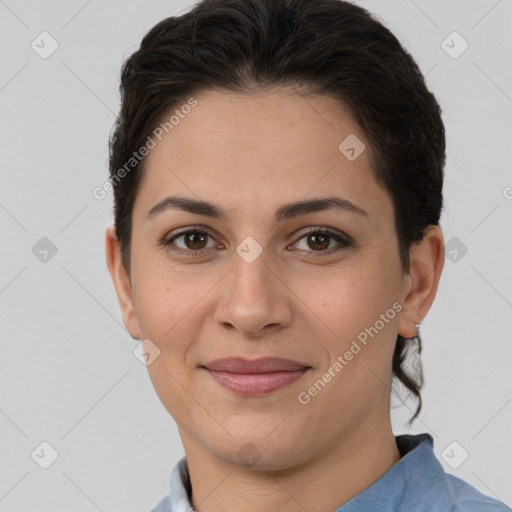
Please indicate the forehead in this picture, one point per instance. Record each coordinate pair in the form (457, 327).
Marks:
(278, 143)
(277, 117)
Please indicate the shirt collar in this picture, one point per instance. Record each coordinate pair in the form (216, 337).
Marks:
(180, 487)
(398, 488)
(404, 483)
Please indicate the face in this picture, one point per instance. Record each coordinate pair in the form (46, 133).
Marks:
(263, 279)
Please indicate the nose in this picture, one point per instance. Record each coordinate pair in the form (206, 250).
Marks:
(254, 300)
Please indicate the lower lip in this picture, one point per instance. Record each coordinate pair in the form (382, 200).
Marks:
(256, 383)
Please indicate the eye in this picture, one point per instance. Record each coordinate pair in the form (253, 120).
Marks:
(319, 240)
(193, 241)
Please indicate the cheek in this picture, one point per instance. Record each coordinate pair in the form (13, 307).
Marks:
(165, 298)
(357, 322)
(346, 302)
(169, 309)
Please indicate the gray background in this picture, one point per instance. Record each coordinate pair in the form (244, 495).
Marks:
(68, 375)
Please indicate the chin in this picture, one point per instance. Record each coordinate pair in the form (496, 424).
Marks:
(256, 453)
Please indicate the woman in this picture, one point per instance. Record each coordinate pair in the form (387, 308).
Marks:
(277, 170)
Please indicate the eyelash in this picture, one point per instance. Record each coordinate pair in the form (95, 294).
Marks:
(344, 241)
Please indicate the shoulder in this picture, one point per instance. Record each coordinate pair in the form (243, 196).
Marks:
(466, 498)
(427, 487)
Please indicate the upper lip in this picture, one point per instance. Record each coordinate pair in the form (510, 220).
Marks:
(261, 365)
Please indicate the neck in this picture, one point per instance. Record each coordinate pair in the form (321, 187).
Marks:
(321, 484)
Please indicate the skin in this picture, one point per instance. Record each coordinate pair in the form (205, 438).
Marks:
(249, 154)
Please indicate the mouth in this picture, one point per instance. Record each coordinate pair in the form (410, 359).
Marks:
(255, 377)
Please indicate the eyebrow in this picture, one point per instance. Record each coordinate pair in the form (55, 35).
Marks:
(285, 212)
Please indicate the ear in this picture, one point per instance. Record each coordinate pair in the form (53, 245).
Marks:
(421, 281)
(121, 282)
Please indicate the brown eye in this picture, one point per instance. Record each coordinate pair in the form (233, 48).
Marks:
(190, 242)
(195, 240)
(317, 240)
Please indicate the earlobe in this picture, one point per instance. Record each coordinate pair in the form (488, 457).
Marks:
(422, 280)
(121, 281)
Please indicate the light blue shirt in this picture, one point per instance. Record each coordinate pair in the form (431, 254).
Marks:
(416, 483)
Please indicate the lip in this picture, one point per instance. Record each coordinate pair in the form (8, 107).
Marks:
(257, 376)
(260, 365)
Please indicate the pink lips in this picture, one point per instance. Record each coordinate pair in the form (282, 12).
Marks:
(255, 377)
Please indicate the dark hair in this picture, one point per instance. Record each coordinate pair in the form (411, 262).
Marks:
(329, 47)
